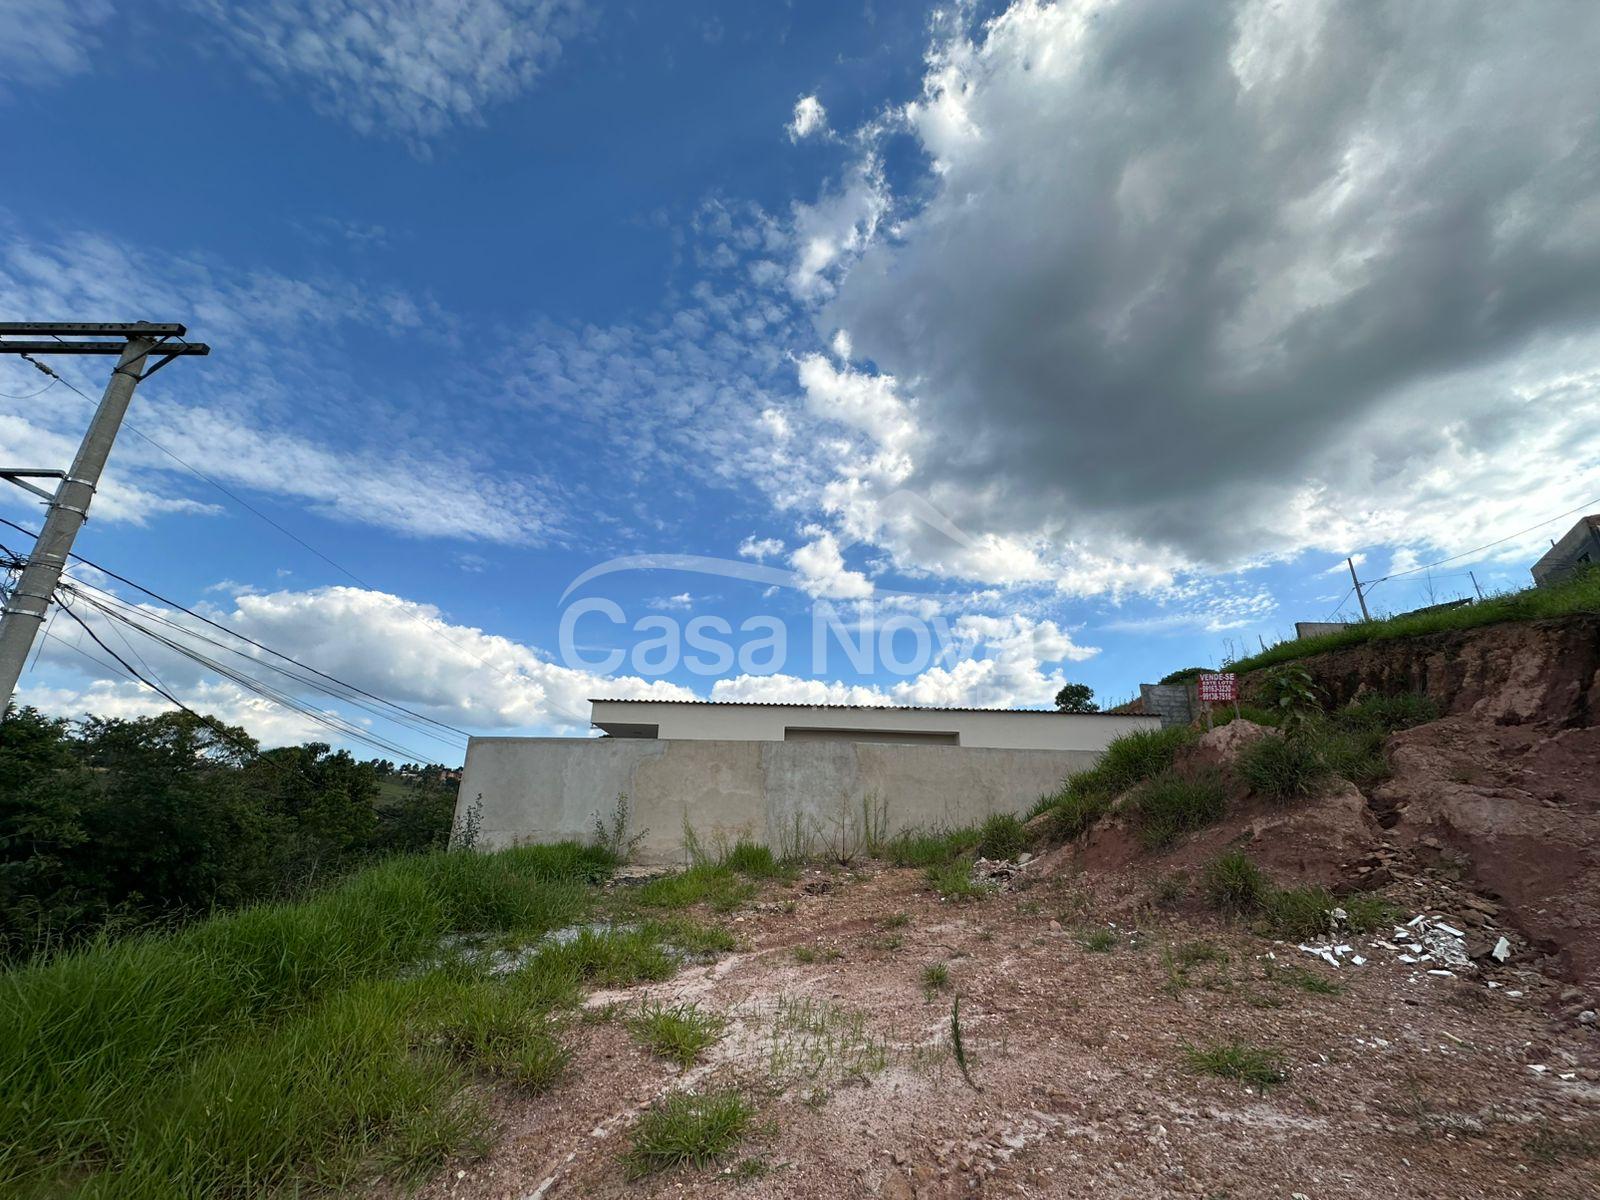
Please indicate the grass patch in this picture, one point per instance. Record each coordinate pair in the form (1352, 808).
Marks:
(1225, 715)
(1180, 961)
(931, 848)
(1194, 954)
(1237, 887)
(1580, 595)
(1388, 713)
(1357, 755)
(680, 1033)
(821, 1042)
(958, 1044)
(687, 1129)
(1001, 836)
(300, 1045)
(1302, 913)
(708, 883)
(1234, 885)
(748, 1170)
(1128, 760)
(1301, 978)
(1170, 889)
(1100, 941)
(816, 954)
(898, 920)
(753, 859)
(611, 958)
(495, 1028)
(1297, 913)
(1169, 805)
(692, 938)
(1236, 1060)
(1134, 757)
(1075, 809)
(935, 978)
(1282, 768)
(953, 881)
(1556, 1147)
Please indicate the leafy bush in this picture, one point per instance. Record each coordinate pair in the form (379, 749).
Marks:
(1281, 767)
(1002, 836)
(1170, 805)
(1183, 675)
(1076, 698)
(612, 834)
(1234, 885)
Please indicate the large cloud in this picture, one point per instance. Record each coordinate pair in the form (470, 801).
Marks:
(1195, 283)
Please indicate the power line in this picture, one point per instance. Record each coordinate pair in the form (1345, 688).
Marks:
(329, 721)
(211, 723)
(1348, 593)
(134, 614)
(1488, 545)
(173, 604)
(104, 602)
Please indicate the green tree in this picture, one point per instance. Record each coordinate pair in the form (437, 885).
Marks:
(1076, 698)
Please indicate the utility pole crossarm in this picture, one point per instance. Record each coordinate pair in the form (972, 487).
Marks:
(54, 347)
(116, 329)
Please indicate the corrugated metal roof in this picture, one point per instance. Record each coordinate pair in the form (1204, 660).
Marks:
(1038, 712)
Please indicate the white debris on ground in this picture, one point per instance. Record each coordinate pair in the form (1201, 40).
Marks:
(1428, 942)
(999, 872)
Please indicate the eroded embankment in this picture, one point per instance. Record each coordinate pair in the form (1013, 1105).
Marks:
(1507, 785)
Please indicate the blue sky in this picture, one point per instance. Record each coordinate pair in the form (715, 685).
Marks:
(1081, 342)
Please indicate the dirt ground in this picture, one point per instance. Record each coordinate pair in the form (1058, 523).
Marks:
(1403, 1084)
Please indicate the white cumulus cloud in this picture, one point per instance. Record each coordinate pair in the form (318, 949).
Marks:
(809, 118)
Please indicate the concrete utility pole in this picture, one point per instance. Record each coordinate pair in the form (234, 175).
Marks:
(1365, 615)
(24, 612)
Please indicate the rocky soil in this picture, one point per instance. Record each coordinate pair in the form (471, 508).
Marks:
(1401, 1083)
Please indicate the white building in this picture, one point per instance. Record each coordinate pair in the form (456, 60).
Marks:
(995, 728)
(788, 775)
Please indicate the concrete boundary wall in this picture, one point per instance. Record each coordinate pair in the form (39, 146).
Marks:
(816, 793)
